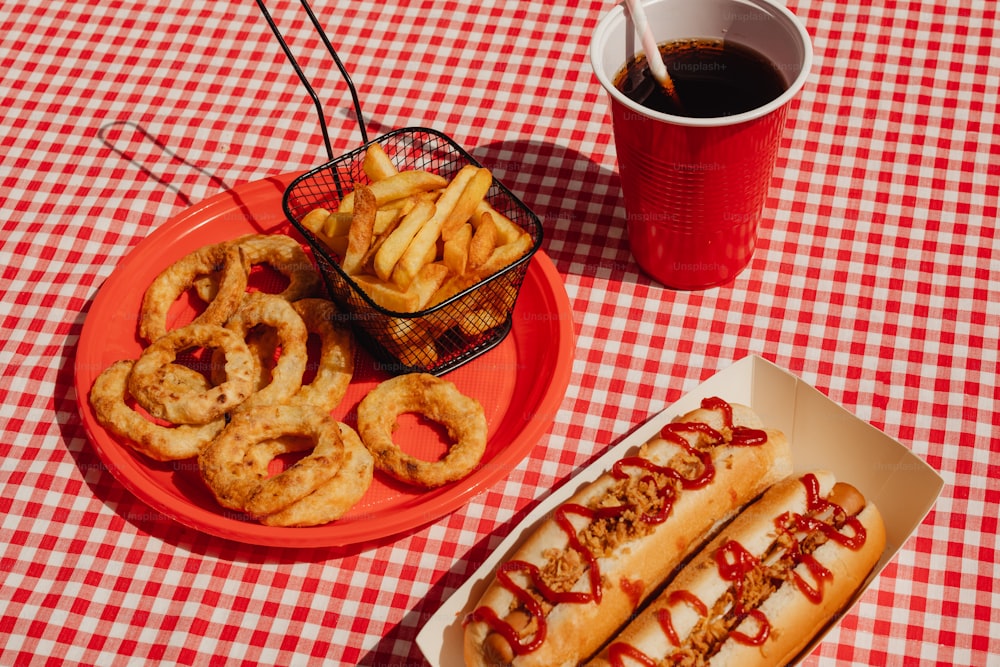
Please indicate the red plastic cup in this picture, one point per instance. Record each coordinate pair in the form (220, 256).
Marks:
(694, 188)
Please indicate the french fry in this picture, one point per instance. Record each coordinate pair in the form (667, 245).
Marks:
(413, 338)
(507, 230)
(368, 263)
(377, 165)
(427, 282)
(337, 224)
(359, 238)
(338, 245)
(387, 218)
(506, 254)
(432, 254)
(398, 241)
(386, 294)
(326, 226)
(314, 219)
(481, 320)
(398, 186)
(474, 192)
(424, 355)
(453, 286)
(406, 204)
(483, 242)
(456, 249)
(502, 256)
(412, 341)
(409, 300)
(334, 230)
(401, 207)
(409, 330)
(412, 261)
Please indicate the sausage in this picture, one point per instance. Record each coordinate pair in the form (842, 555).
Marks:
(765, 586)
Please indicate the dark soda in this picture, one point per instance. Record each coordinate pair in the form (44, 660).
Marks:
(712, 78)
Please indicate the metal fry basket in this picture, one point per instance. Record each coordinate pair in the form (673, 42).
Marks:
(451, 333)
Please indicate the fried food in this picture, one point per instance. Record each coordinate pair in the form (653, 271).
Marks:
(377, 165)
(335, 498)
(263, 345)
(507, 230)
(266, 310)
(478, 321)
(412, 340)
(439, 401)
(500, 257)
(362, 230)
(483, 242)
(475, 189)
(150, 379)
(398, 300)
(240, 481)
(399, 239)
(223, 259)
(455, 252)
(335, 367)
(278, 251)
(109, 396)
(423, 243)
(406, 231)
(398, 186)
(257, 397)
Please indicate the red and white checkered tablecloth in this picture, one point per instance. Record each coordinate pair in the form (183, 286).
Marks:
(875, 281)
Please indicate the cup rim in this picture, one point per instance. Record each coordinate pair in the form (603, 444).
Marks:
(617, 13)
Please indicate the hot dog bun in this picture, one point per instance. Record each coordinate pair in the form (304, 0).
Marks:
(768, 545)
(606, 549)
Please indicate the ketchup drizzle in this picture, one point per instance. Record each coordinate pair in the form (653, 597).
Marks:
(792, 522)
(818, 504)
(741, 435)
(490, 617)
(763, 630)
(734, 563)
(666, 621)
(620, 650)
(672, 432)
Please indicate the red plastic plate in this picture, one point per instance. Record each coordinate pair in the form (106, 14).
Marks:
(520, 383)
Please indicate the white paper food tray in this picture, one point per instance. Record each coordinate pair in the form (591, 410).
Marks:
(822, 434)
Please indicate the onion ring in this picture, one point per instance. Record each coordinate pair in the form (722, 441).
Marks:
(336, 355)
(286, 377)
(333, 499)
(263, 345)
(108, 396)
(168, 286)
(439, 401)
(149, 380)
(237, 476)
(283, 254)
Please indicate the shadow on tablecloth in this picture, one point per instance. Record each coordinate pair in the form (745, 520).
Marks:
(155, 159)
(578, 200)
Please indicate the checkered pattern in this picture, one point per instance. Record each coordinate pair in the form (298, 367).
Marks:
(875, 280)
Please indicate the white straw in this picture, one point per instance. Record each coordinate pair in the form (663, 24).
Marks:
(653, 56)
(649, 45)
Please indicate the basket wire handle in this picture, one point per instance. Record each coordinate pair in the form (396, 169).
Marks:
(305, 80)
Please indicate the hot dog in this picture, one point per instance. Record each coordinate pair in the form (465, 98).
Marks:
(765, 586)
(585, 570)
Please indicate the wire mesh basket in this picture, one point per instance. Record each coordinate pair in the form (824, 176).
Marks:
(451, 333)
